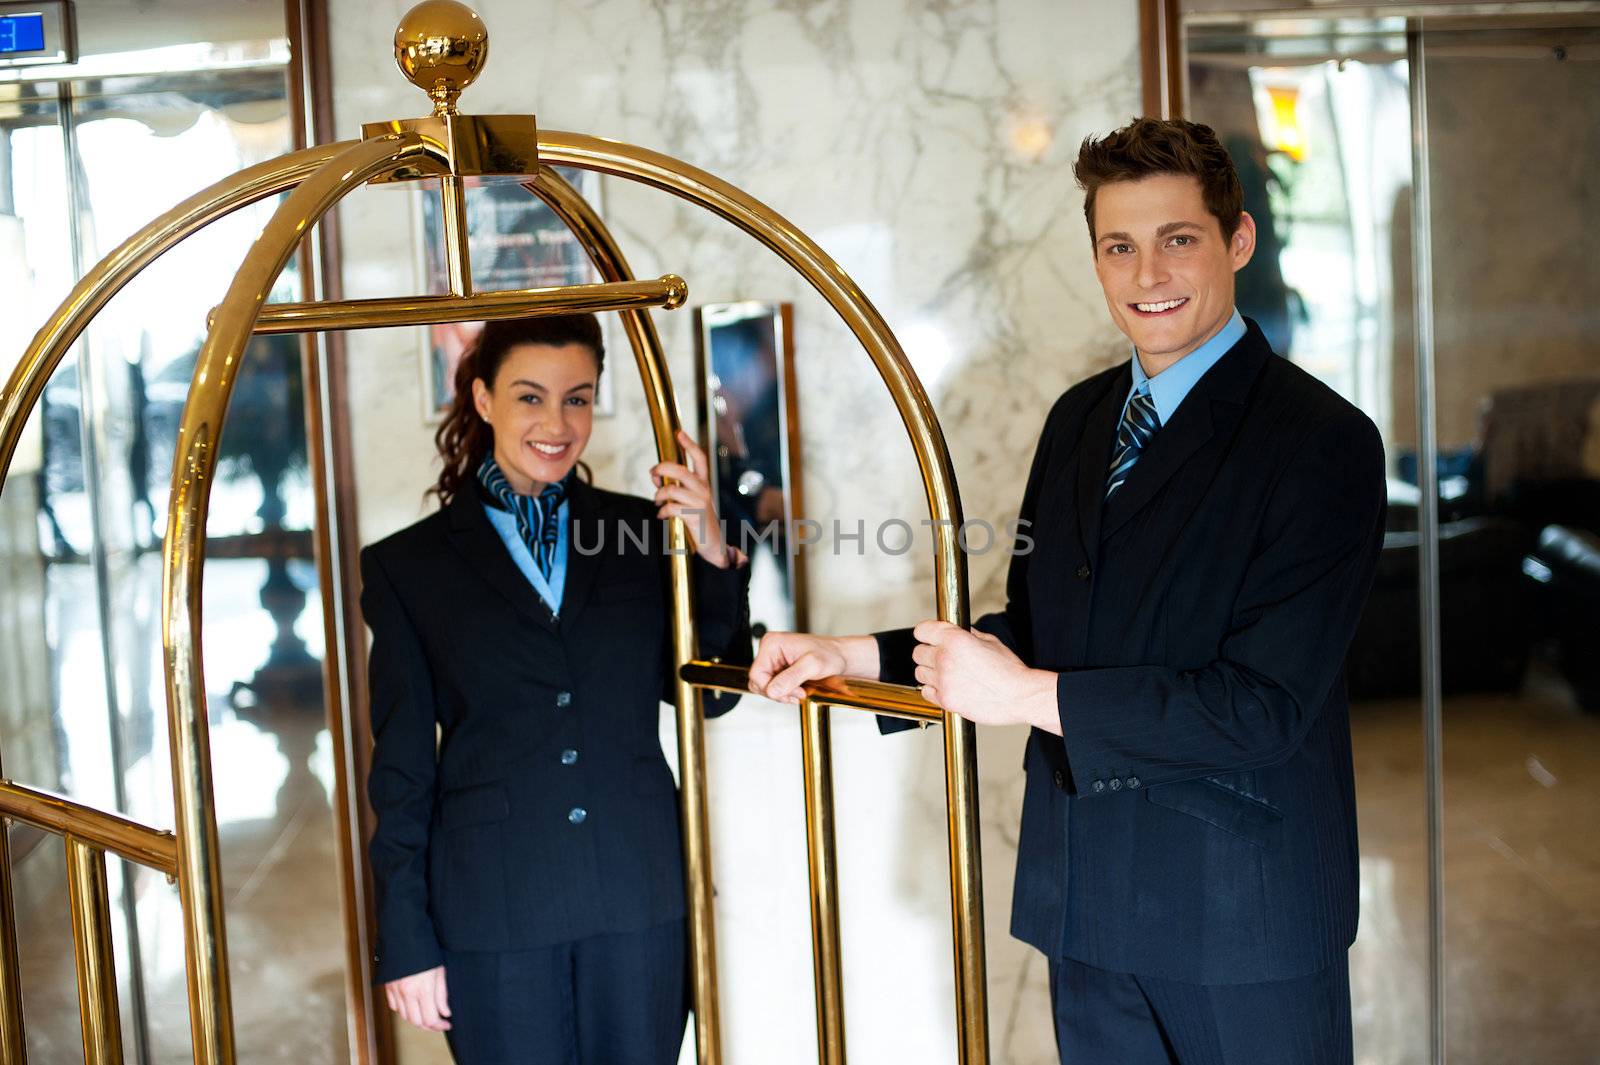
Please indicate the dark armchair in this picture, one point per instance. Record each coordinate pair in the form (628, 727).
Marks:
(1519, 554)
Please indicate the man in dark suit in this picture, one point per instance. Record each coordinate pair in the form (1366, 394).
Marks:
(1205, 521)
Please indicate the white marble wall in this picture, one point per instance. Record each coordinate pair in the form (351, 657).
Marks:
(927, 147)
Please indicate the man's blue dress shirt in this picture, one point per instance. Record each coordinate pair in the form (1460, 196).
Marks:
(1169, 387)
(505, 523)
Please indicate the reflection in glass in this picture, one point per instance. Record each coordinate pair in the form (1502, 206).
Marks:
(83, 164)
(1322, 145)
(1514, 129)
(1318, 116)
(748, 420)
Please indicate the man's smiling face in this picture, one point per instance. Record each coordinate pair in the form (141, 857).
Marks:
(1166, 269)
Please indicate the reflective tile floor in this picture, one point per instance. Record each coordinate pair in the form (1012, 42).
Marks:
(1521, 881)
(272, 771)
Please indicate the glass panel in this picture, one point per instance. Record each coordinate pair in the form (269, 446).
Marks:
(1513, 135)
(261, 597)
(191, 130)
(46, 477)
(747, 414)
(97, 476)
(47, 587)
(1319, 128)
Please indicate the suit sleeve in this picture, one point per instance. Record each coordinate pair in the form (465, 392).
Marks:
(1012, 626)
(402, 782)
(722, 627)
(1293, 618)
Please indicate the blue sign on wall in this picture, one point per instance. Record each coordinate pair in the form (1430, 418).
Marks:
(21, 33)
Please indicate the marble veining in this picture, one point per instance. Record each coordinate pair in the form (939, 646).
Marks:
(928, 148)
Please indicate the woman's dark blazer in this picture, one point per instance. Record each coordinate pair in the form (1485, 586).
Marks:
(547, 812)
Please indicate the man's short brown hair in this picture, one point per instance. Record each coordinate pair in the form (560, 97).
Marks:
(1148, 146)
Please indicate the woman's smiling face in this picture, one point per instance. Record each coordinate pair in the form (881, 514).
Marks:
(541, 408)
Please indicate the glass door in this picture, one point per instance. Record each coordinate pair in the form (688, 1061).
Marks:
(1513, 140)
(1319, 130)
(83, 164)
(1425, 193)
(60, 728)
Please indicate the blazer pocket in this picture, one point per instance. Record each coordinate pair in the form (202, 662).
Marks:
(622, 591)
(479, 805)
(1250, 819)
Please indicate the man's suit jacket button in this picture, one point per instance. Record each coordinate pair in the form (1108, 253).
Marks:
(1099, 785)
(1116, 783)
(1061, 781)
(563, 698)
(569, 757)
(1133, 782)
(577, 815)
(1083, 572)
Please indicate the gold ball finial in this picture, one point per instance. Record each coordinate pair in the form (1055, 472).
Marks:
(441, 47)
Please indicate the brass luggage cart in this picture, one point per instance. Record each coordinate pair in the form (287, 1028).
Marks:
(441, 47)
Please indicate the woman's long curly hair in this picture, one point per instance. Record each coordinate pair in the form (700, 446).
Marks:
(464, 438)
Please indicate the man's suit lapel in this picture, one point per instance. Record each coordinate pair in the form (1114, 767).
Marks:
(477, 542)
(1168, 450)
(1094, 459)
(1212, 406)
(587, 528)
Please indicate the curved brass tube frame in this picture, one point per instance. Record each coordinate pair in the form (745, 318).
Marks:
(564, 201)
(216, 372)
(950, 576)
(51, 344)
(320, 178)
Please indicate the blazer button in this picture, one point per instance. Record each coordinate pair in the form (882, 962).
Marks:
(569, 757)
(563, 698)
(1116, 783)
(1083, 572)
(1133, 782)
(577, 815)
(1060, 780)
(1099, 785)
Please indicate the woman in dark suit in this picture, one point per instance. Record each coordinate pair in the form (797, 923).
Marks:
(527, 861)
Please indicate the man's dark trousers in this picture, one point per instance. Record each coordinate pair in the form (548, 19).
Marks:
(1195, 821)
(1106, 1018)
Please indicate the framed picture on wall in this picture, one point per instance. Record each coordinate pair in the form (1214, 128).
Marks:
(749, 421)
(516, 242)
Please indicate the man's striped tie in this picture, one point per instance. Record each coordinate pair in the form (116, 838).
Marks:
(1139, 423)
